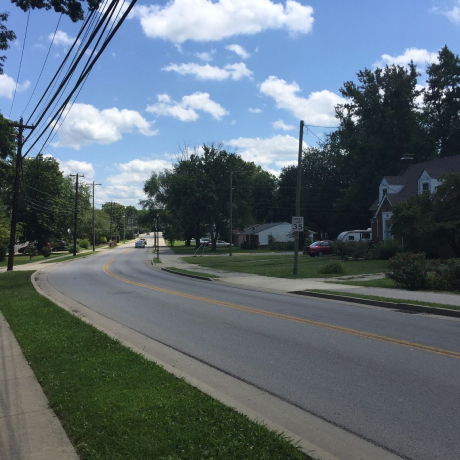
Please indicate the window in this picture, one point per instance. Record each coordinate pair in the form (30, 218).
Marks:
(325, 244)
(384, 192)
(366, 236)
(425, 187)
(351, 238)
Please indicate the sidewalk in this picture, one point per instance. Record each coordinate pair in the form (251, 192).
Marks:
(266, 283)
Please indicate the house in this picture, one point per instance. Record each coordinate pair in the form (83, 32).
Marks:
(259, 234)
(414, 178)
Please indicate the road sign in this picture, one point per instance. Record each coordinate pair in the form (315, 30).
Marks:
(297, 224)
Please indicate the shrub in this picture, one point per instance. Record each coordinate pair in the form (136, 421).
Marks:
(247, 245)
(84, 244)
(386, 250)
(3, 251)
(280, 245)
(408, 270)
(453, 274)
(71, 249)
(333, 267)
(31, 251)
(443, 276)
(103, 240)
(354, 249)
(45, 251)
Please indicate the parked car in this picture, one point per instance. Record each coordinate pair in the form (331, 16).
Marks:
(319, 248)
(60, 245)
(148, 233)
(35, 243)
(139, 244)
(219, 244)
(202, 241)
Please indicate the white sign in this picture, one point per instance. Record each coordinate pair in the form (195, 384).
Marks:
(297, 224)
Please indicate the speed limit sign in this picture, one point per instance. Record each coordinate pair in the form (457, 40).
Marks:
(297, 224)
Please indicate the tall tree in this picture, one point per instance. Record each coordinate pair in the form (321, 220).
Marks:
(442, 103)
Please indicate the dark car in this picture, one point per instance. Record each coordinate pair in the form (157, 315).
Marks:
(60, 245)
(319, 248)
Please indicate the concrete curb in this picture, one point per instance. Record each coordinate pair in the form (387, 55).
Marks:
(380, 303)
(188, 275)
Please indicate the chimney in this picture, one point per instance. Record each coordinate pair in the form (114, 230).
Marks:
(406, 160)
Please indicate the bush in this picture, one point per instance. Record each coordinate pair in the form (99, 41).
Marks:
(3, 251)
(333, 267)
(247, 245)
(408, 270)
(71, 249)
(280, 245)
(84, 244)
(31, 251)
(443, 276)
(103, 240)
(354, 249)
(45, 251)
(386, 250)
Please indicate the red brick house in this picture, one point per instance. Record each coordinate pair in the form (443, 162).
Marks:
(414, 178)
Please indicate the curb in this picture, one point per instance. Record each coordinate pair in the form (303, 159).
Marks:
(380, 303)
(198, 277)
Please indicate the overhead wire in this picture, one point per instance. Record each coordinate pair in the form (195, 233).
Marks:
(20, 64)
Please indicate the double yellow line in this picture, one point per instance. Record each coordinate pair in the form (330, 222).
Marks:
(367, 335)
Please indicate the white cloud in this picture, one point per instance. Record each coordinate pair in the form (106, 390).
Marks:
(277, 151)
(205, 56)
(85, 125)
(256, 110)
(207, 20)
(61, 38)
(239, 50)
(453, 14)
(39, 46)
(281, 125)
(186, 109)
(7, 86)
(317, 109)
(419, 56)
(208, 72)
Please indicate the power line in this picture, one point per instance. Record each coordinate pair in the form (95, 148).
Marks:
(20, 65)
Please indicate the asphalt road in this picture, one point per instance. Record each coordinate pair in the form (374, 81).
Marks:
(392, 378)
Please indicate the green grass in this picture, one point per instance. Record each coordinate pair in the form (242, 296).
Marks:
(386, 299)
(22, 259)
(379, 283)
(113, 403)
(70, 257)
(179, 248)
(189, 272)
(281, 266)
(156, 261)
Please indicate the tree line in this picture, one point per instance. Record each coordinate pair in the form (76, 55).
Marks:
(387, 113)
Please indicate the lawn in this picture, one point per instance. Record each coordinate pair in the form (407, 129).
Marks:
(70, 257)
(115, 404)
(180, 249)
(281, 266)
(22, 259)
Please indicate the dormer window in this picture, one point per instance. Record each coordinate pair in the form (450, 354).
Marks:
(384, 192)
(425, 187)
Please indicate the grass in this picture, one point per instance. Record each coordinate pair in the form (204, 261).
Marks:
(113, 403)
(156, 261)
(23, 259)
(179, 248)
(70, 257)
(386, 299)
(189, 272)
(281, 266)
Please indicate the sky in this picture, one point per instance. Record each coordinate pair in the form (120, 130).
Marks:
(242, 73)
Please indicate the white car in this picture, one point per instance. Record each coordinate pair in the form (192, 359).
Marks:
(219, 244)
(139, 244)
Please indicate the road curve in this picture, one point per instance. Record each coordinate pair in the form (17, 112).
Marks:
(389, 377)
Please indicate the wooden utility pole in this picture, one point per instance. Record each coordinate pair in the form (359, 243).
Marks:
(158, 236)
(231, 211)
(94, 224)
(297, 199)
(111, 211)
(14, 207)
(75, 213)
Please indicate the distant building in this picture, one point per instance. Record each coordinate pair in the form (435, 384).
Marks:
(414, 179)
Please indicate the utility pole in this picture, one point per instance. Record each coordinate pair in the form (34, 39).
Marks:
(75, 214)
(14, 207)
(94, 225)
(124, 227)
(158, 236)
(231, 211)
(111, 209)
(297, 199)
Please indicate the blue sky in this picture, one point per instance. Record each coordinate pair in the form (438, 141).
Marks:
(240, 72)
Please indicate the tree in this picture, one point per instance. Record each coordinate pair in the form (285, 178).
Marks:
(6, 36)
(116, 212)
(442, 103)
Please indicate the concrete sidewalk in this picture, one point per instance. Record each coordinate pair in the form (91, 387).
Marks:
(266, 283)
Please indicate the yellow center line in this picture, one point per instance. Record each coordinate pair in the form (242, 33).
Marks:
(368, 335)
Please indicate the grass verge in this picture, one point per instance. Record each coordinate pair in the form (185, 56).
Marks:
(156, 261)
(281, 266)
(115, 404)
(189, 272)
(84, 254)
(386, 299)
(179, 248)
(22, 259)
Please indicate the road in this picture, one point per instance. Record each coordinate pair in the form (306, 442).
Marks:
(392, 378)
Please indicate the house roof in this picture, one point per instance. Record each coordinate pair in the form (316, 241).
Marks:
(257, 228)
(408, 178)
